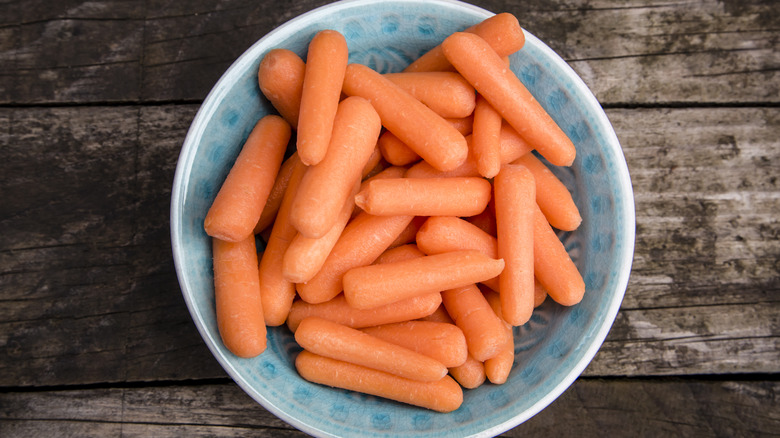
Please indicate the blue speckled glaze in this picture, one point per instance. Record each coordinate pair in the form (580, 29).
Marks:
(551, 350)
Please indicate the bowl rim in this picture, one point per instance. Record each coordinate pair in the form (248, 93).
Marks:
(217, 94)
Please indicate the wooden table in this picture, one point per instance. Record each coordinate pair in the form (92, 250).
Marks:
(95, 100)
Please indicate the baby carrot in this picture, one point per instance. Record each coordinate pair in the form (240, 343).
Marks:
(398, 153)
(338, 310)
(511, 147)
(501, 31)
(237, 294)
(540, 294)
(485, 221)
(485, 140)
(441, 341)
(326, 185)
(442, 234)
(395, 151)
(277, 193)
(444, 395)
(471, 373)
(403, 252)
(446, 93)
(410, 232)
(424, 131)
(337, 341)
(373, 165)
(370, 286)
(498, 367)
(553, 198)
(326, 63)
(361, 242)
(464, 125)
(514, 195)
(280, 77)
(241, 199)
(553, 267)
(492, 78)
(278, 292)
(305, 256)
(485, 332)
(425, 196)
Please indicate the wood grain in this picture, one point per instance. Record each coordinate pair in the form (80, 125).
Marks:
(717, 51)
(592, 407)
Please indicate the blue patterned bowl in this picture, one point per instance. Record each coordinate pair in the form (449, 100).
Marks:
(551, 350)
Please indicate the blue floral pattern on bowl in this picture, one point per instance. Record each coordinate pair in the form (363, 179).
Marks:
(551, 350)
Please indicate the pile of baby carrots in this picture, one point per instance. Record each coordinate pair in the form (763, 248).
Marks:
(411, 229)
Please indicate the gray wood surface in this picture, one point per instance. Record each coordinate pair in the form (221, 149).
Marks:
(95, 100)
(591, 407)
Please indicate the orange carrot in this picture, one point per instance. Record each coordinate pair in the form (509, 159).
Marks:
(277, 192)
(395, 151)
(540, 294)
(486, 136)
(485, 332)
(410, 232)
(441, 234)
(398, 153)
(443, 395)
(471, 373)
(446, 93)
(338, 310)
(278, 292)
(492, 78)
(280, 77)
(326, 185)
(502, 31)
(370, 286)
(361, 242)
(373, 165)
(237, 294)
(485, 221)
(498, 367)
(515, 204)
(326, 63)
(241, 199)
(464, 125)
(424, 131)
(511, 146)
(389, 172)
(440, 341)
(399, 253)
(553, 198)
(553, 267)
(425, 196)
(337, 341)
(305, 256)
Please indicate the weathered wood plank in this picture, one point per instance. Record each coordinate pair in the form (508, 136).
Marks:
(711, 339)
(628, 53)
(89, 288)
(71, 51)
(637, 52)
(592, 407)
(90, 294)
(707, 202)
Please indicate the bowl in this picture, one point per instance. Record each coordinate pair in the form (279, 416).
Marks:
(552, 349)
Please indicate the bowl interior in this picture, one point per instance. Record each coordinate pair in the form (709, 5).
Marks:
(551, 350)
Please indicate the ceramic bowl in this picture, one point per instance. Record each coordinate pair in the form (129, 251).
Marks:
(551, 350)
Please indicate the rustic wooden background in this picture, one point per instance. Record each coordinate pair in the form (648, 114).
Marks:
(95, 100)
